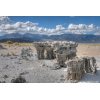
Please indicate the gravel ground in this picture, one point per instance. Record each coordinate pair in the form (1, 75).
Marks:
(33, 71)
(37, 71)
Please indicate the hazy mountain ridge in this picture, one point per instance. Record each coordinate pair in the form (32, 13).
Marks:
(37, 37)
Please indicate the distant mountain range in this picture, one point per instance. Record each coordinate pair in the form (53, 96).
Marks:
(16, 37)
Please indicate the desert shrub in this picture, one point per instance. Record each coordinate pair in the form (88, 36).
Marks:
(19, 79)
(9, 42)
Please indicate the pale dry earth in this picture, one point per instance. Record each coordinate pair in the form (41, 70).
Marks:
(40, 71)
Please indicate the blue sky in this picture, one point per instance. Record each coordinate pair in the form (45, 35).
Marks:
(50, 25)
(52, 21)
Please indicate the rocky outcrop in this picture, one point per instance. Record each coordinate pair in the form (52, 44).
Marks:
(61, 50)
(40, 50)
(76, 68)
(49, 53)
(64, 54)
(26, 54)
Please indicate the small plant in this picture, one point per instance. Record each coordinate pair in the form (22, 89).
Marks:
(19, 79)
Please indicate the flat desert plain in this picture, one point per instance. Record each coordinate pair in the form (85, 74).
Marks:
(88, 49)
(40, 71)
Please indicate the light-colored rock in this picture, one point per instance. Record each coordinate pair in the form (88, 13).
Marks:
(27, 54)
(75, 70)
(61, 50)
(77, 67)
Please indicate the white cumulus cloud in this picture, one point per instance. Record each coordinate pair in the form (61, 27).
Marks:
(83, 28)
(6, 27)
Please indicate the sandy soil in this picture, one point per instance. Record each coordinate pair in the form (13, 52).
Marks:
(88, 50)
(40, 71)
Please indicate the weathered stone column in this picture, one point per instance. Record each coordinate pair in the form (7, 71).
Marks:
(61, 58)
(40, 50)
(75, 70)
(49, 54)
(90, 64)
